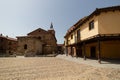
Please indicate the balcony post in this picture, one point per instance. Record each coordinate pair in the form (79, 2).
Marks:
(84, 52)
(99, 54)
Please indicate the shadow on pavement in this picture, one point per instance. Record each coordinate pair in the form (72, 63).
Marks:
(110, 61)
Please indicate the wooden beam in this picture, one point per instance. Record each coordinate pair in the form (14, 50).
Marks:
(71, 51)
(75, 51)
(66, 51)
(99, 54)
(84, 52)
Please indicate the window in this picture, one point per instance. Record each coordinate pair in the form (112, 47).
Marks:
(9, 51)
(39, 37)
(91, 25)
(25, 46)
(78, 34)
(72, 36)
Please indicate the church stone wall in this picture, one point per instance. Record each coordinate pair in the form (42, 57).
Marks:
(37, 42)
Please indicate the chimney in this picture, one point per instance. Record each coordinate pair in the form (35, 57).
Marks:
(6, 36)
(1, 34)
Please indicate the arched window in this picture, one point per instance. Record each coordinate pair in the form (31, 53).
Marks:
(39, 37)
(9, 51)
(25, 46)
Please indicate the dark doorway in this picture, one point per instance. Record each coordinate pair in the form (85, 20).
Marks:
(93, 52)
(25, 46)
(79, 52)
(72, 51)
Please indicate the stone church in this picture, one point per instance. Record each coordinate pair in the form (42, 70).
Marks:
(37, 42)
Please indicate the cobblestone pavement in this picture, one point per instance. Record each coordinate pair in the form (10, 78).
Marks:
(52, 68)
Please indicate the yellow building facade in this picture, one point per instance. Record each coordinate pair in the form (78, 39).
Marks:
(96, 36)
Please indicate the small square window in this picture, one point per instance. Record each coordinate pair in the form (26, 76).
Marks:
(91, 25)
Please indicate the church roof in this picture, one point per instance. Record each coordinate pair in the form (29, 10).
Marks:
(37, 31)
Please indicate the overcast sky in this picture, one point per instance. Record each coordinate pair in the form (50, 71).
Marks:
(19, 17)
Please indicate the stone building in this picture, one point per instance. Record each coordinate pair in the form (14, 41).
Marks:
(37, 42)
(8, 46)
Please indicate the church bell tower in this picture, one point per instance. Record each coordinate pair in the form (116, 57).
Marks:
(51, 30)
